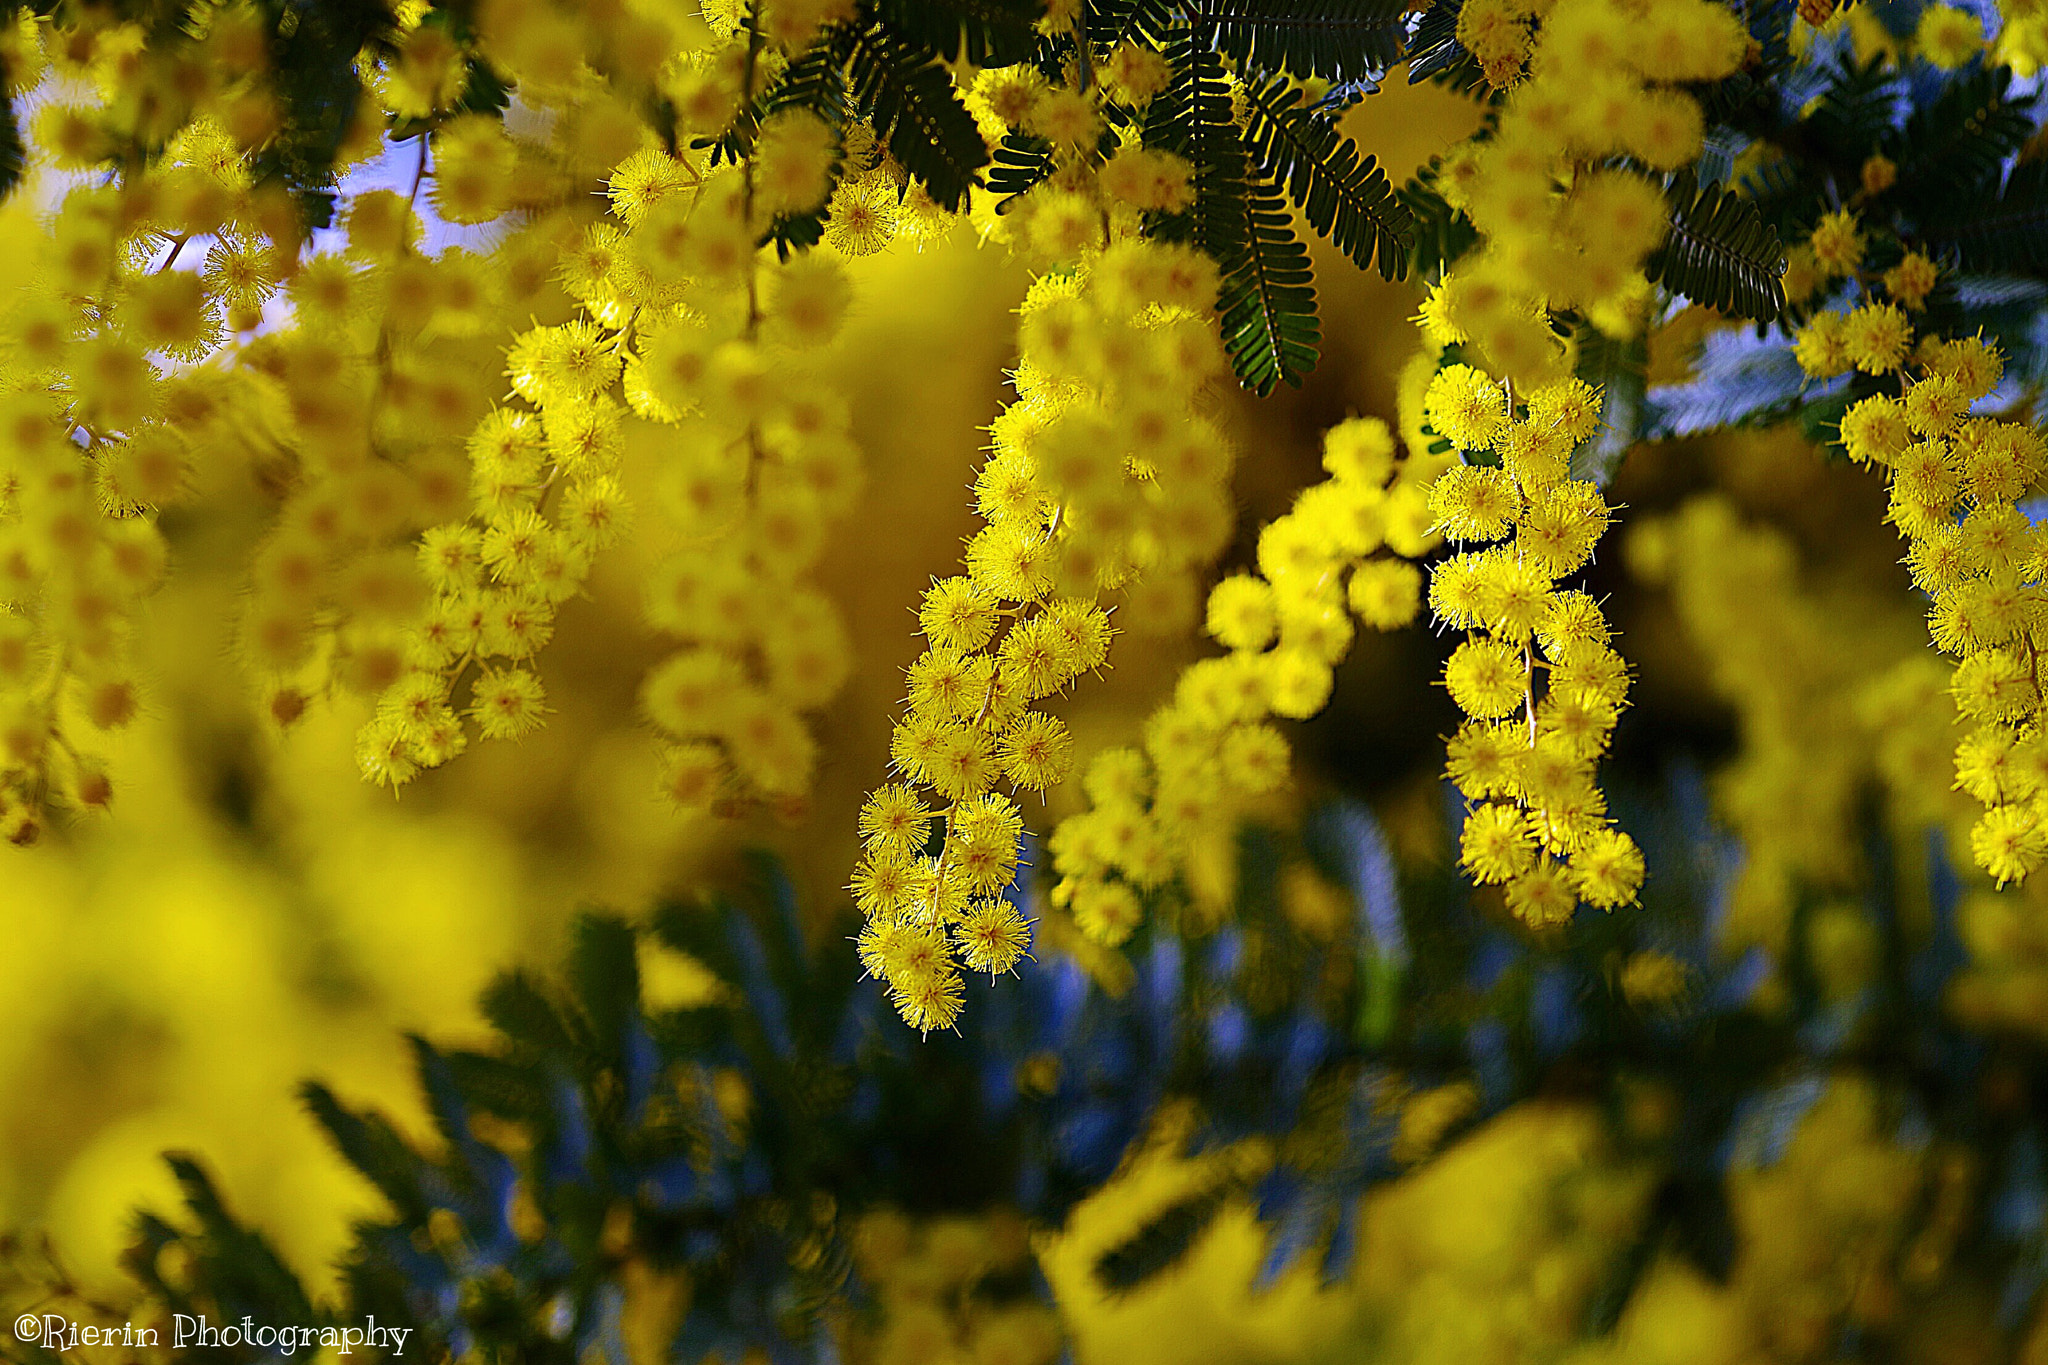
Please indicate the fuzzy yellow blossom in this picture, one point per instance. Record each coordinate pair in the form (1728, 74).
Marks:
(1877, 337)
(1837, 244)
(1948, 36)
(1911, 280)
(1821, 347)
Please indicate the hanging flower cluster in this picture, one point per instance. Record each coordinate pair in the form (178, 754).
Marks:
(1539, 684)
(1104, 478)
(1955, 481)
(1596, 93)
(1211, 753)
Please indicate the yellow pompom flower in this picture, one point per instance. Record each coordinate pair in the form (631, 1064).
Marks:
(894, 818)
(1933, 406)
(1036, 751)
(1437, 321)
(1466, 407)
(1484, 759)
(1912, 279)
(1514, 595)
(993, 936)
(1106, 912)
(1877, 336)
(1495, 845)
(1837, 244)
(1242, 613)
(1385, 594)
(1472, 503)
(1821, 346)
(1542, 897)
(862, 216)
(1948, 36)
(2008, 842)
(1608, 869)
(929, 1002)
(1992, 684)
(1875, 431)
(1486, 678)
(507, 703)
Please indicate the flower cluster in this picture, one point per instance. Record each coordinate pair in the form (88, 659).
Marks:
(1538, 822)
(1103, 478)
(1874, 337)
(106, 407)
(1955, 481)
(1098, 184)
(1596, 95)
(674, 374)
(1210, 754)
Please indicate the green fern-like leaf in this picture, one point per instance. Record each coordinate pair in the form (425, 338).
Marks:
(1111, 22)
(1619, 369)
(1852, 116)
(816, 81)
(917, 115)
(1434, 52)
(1191, 118)
(2012, 232)
(239, 1268)
(517, 1007)
(1020, 162)
(1958, 144)
(1718, 252)
(979, 32)
(1336, 40)
(605, 973)
(1438, 233)
(372, 1146)
(1344, 197)
(11, 153)
(1161, 1242)
(1268, 297)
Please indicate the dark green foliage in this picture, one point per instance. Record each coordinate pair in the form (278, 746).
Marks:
(313, 48)
(815, 81)
(1345, 198)
(2011, 233)
(1619, 370)
(1854, 112)
(1268, 301)
(1191, 118)
(1242, 1028)
(1111, 22)
(1956, 145)
(236, 1265)
(981, 32)
(1336, 40)
(1021, 162)
(1438, 234)
(373, 1147)
(1241, 218)
(1718, 252)
(1435, 53)
(916, 113)
(1162, 1241)
(11, 151)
